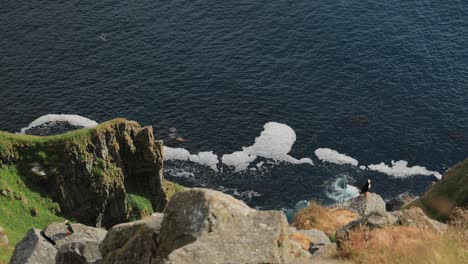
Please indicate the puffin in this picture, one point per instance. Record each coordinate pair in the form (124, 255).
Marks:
(69, 228)
(365, 188)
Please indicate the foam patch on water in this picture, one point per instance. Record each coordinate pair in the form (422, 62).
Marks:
(333, 156)
(175, 153)
(275, 142)
(240, 160)
(74, 120)
(206, 158)
(400, 169)
(341, 190)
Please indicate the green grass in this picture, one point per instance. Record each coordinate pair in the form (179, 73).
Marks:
(171, 188)
(140, 206)
(448, 193)
(9, 141)
(15, 215)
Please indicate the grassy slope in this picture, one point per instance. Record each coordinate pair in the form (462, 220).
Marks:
(450, 192)
(15, 215)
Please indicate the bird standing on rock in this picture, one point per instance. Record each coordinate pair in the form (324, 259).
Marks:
(69, 228)
(365, 188)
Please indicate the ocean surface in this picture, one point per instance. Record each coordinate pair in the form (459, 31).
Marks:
(378, 81)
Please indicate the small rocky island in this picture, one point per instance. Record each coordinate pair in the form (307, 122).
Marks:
(108, 181)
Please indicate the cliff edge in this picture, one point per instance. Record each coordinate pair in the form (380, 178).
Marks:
(89, 172)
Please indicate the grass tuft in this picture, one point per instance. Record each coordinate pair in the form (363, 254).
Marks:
(326, 219)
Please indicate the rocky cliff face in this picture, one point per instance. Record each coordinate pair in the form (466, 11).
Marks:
(89, 172)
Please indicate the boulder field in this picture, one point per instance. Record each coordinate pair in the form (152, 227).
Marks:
(204, 226)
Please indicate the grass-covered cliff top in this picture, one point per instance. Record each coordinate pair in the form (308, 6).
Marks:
(9, 140)
(450, 192)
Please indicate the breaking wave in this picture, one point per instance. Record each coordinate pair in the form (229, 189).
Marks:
(341, 189)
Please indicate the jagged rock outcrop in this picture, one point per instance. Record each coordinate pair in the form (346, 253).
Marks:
(133, 242)
(364, 205)
(89, 171)
(55, 245)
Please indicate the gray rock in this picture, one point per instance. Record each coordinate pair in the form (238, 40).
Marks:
(204, 226)
(41, 246)
(375, 219)
(133, 242)
(363, 205)
(399, 202)
(316, 236)
(320, 241)
(3, 236)
(80, 252)
(34, 249)
(326, 251)
(58, 233)
(416, 217)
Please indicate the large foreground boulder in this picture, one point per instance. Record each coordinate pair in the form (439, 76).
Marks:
(133, 242)
(364, 205)
(34, 249)
(204, 226)
(55, 245)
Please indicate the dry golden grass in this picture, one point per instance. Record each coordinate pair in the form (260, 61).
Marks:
(326, 219)
(402, 244)
(302, 240)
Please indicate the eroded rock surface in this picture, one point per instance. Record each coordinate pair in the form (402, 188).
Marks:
(204, 226)
(133, 242)
(364, 205)
(55, 245)
(34, 249)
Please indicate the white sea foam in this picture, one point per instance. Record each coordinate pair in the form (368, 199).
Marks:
(275, 142)
(239, 159)
(332, 156)
(340, 190)
(74, 120)
(206, 158)
(175, 153)
(400, 169)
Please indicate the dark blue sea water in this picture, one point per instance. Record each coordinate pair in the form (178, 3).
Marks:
(379, 80)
